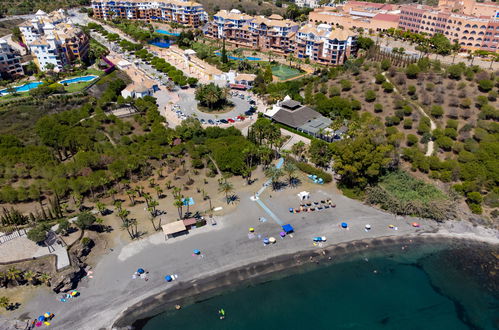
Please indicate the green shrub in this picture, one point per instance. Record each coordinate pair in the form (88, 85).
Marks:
(310, 169)
(370, 96)
(411, 139)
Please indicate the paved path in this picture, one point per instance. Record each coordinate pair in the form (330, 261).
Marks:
(257, 198)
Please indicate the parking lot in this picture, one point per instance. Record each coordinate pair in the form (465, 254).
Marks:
(244, 106)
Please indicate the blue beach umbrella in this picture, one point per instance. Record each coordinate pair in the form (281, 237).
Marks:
(196, 251)
(168, 278)
(41, 318)
(344, 225)
(265, 240)
(141, 271)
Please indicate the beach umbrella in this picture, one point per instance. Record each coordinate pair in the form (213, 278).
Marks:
(196, 251)
(41, 318)
(265, 240)
(252, 229)
(141, 271)
(415, 224)
(272, 240)
(368, 227)
(282, 234)
(391, 226)
(344, 225)
(46, 314)
(291, 210)
(38, 324)
(168, 278)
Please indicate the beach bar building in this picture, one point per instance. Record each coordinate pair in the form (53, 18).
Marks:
(174, 229)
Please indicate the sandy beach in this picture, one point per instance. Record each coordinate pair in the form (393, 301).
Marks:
(105, 298)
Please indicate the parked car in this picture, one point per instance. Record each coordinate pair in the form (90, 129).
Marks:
(223, 121)
(230, 120)
(211, 122)
(203, 121)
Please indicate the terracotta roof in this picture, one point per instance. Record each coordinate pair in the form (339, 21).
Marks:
(245, 76)
(386, 17)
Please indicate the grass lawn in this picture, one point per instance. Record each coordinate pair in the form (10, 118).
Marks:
(284, 72)
(76, 87)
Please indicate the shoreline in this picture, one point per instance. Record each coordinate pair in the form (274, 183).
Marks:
(136, 315)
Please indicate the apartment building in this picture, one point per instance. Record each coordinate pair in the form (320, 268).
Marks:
(357, 14)
(54, 40)
(325, 45)
(10, 61)
(272, 33)
(307, 3)
(471, 32)
(188, 13)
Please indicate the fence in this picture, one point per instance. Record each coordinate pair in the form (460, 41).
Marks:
(13, 235)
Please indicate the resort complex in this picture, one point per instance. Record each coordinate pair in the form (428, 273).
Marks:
(54, 41)
(273, 167)
(323, 44)
(188, 13)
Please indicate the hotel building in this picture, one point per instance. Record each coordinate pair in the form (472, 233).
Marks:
(471, 32)
(54, 40)
(188, 13)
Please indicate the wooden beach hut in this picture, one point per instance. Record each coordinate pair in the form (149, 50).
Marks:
(173, 229)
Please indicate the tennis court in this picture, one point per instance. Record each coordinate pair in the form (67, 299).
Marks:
(284, 72)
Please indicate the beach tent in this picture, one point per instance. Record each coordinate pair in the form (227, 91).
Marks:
(287, 228)
(304, 195)
(174, 228)
(168, 278)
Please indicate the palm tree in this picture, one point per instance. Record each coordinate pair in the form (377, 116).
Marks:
(45, 278)
(152, 204)
(123, 214)
(112, 192)
(159, 191)
(101, 207)
(118, 204)
(168, 184)
(128, 226)
(139, 190)
(178, 203)
(290, 170)
(131, 194)
(274, 174)
(13, 275)
(225, 187)
(30, 276)
(176, 192)
(4, 302)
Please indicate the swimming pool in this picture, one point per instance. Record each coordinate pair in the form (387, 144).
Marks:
(162, 43)
(249, 58)
(77, 80)
(168, 33)
(24, 88)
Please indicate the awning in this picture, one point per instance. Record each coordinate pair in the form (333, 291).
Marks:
(238, 86)
(189, 222)
(174, 227)
(288, 228)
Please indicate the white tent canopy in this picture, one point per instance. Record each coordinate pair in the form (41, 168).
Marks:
(304, 195)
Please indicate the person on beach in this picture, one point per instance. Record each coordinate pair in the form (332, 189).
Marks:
(221, 313)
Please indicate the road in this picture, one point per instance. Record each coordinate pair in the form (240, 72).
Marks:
(9, 18)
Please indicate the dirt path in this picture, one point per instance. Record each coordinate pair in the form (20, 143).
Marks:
(433, 126)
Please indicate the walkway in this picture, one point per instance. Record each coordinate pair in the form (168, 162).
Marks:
(433, 126)
(262, 189)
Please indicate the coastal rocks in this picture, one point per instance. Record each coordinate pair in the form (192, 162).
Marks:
(69, 278)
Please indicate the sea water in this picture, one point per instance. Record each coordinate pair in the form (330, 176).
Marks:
(445, 289)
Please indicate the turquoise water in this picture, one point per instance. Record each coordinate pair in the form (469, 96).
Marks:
(77, 79)
(249, 58)
(391, 292)
(24, 88)
(168, 33)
